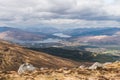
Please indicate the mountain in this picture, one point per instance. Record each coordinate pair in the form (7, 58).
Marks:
(12, 56)
(40, 35)
(15, 34)
(43, 29)
(104, 36)
(89, 39)
(113, 39)
(92, 31)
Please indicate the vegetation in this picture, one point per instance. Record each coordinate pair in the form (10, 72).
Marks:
(76, 55)
(80, 55)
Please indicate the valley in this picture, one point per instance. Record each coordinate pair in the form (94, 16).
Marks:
(95, 43)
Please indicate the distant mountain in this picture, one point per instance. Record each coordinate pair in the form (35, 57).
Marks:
(42, 29)
(92, 31)
(81, 35)
(15, 34)
(113, 39)
(96, 35)
(12, 56)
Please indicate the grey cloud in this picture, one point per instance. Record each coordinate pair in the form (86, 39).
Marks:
(31, 12)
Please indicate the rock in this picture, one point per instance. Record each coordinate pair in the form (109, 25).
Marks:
(43, 68)
(96, 66)
(82, 67)
(117, 61)
(26, 67)
(65, 68)
(107, 63)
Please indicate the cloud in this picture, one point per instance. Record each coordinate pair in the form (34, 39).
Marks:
(60, 13)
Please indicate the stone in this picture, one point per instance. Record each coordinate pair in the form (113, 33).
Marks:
(96, 65)
(107, 63)
(26, 67)
(82, 67)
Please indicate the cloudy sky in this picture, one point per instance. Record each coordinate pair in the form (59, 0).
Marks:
(60, 13)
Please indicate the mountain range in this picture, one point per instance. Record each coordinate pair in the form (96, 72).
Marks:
(98, 36)
(81, 35)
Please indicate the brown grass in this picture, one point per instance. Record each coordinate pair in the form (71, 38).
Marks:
(110, 72)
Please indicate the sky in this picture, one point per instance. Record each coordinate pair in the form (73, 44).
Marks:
(60, 13)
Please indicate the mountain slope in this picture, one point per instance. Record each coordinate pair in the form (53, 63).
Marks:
(76, 55)
(92, 31)
(12, 56)
(108, 71)
(104, 36)
(8, 33)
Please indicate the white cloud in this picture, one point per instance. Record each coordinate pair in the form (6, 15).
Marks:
(60, 13)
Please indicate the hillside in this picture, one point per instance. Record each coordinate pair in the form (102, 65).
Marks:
(76, 55)
(15, 34)
(111, 71)
(92, 36)
(80, 54)
(92, 31)
(96, 36)
(12, 56)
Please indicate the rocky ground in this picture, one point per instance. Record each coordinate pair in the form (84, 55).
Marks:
(109, 71)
